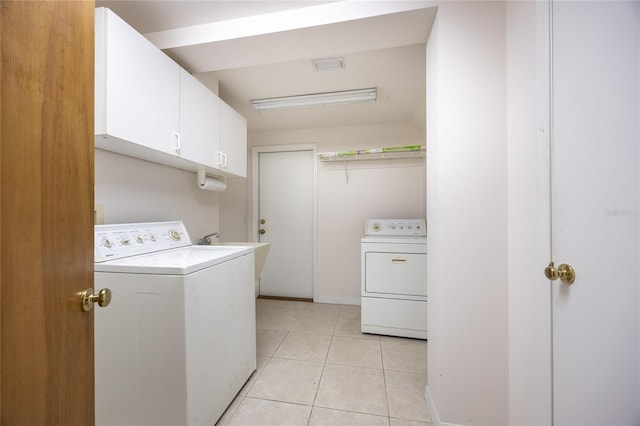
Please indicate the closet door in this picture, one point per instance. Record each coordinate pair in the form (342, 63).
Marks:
(595, 211)
(46, 195)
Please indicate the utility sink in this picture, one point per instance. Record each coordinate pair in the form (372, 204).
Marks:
(261, 251)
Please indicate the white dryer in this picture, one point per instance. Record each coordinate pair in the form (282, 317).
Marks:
(394, 278)
(178, 340)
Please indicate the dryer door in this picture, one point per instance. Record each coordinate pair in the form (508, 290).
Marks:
(400, 274)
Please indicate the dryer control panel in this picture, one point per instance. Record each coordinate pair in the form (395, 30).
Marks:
(131, 239)
(396, 227)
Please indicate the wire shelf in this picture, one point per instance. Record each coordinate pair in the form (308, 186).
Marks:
(415, 151)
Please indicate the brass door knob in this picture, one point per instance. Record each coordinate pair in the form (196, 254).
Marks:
(262, 221)
(103, 298)
(565, 272)
(262, 232)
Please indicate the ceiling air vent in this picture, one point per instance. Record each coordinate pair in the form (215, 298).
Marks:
(328, 64)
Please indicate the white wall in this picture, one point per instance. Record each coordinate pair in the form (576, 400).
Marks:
(133, 190)
(381, 188)
(433, 392)
(375, 189)
(467, 214)
(234, 213)
(528, 146)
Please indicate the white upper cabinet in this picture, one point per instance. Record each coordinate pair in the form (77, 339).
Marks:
(148, 107)
(199, 122)
(233, 141)
(136, 87)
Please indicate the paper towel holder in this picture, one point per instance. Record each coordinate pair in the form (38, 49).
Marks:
(202, 179)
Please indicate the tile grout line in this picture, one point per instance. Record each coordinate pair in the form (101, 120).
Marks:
(384, 380)
(324, 365)
(288, 331)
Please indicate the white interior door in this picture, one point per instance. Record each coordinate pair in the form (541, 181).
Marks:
(286, 214)
(595, 191)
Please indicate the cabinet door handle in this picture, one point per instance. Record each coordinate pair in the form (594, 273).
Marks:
(178, 143)
(222, 159)
(398, 260)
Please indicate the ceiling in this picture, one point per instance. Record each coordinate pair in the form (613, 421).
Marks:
(247, 50)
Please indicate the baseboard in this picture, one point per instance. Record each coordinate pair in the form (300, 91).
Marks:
(332, 300)
(338, 300)
(295, 299)
(435, 417)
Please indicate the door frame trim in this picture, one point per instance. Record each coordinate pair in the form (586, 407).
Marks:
(253, 228)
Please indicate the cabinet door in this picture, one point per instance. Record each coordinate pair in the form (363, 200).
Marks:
(233, 141)
(141, 87)
(199, 122)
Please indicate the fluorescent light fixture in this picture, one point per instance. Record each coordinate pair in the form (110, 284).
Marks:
(330, 98)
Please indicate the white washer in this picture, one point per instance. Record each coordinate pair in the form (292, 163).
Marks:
(178, 340)
(394, 278)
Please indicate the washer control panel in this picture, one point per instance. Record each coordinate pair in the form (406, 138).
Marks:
(131, 239)
(396, 227)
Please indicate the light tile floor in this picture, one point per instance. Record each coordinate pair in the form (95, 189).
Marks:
(316, 368)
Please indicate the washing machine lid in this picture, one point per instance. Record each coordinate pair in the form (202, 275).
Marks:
(180, 261)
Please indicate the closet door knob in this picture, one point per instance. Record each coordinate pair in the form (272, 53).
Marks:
(103, 298)
(565, 272)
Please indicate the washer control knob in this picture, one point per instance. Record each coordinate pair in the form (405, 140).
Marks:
(125, 241)
(152, 238)
(175, 235)
(139, 239)
(107, 243)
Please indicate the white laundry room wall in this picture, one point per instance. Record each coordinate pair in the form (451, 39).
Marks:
(374, 189)
(528, 221)
(467, 212)
(133, 190)
(234, 213)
